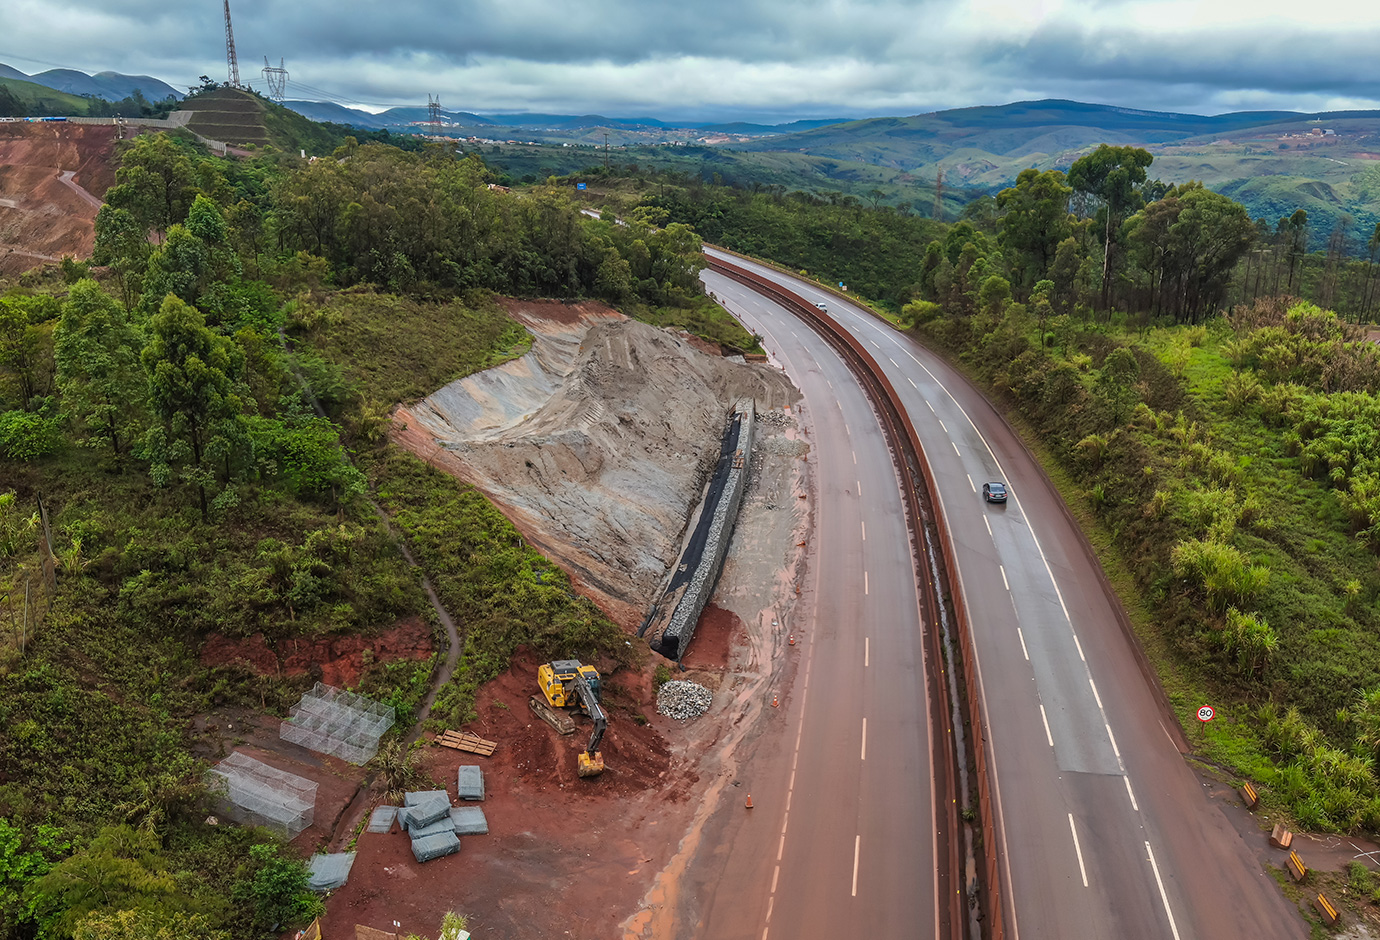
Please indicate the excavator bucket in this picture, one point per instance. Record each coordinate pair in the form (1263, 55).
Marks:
(591, 766)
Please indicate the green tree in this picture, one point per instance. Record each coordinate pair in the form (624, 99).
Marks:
(276, 887)
(98, 368)
(22, 349)
(21, 865)
(192, 389)
(156, 182)
(1113, 175)
(1035, 219)
(122, 243)
(1117, 382)
(120, 868)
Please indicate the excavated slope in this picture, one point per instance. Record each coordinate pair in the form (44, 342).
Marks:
(596, 443)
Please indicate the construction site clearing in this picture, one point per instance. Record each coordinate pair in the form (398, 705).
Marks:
(597, 445)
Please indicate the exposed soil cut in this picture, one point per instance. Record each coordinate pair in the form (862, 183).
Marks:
(596, 443)
(337, 661)
(52, 178)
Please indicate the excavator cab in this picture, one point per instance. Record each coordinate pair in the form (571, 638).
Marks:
(557, 681)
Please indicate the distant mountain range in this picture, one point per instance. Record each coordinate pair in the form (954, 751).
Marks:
(555, 123)
(112, 86)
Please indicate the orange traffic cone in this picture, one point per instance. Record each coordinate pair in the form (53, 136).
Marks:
(791, 637)
(749, 801)
(773, 700)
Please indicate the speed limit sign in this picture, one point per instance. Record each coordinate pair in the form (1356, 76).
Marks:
(1206, 714)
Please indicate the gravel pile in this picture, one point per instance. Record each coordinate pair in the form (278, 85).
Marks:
(681, 700)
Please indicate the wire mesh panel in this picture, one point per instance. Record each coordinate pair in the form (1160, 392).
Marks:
(469, 821)
(334, 721)
(253, 793)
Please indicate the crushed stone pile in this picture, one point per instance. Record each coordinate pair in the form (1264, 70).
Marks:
(683, 700)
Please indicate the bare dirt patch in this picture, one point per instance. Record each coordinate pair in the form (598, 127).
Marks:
(43, 216)
(337, 661)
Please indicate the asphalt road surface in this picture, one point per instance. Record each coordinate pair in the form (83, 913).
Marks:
(840, 841)
(1104, 830)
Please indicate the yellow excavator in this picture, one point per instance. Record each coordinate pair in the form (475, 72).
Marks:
(566, 683)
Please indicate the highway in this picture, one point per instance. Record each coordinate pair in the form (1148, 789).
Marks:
(841, 840)
(1104, 829)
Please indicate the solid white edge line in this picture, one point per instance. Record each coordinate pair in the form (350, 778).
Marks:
(1081, 868)
(1164, 898)
(1045, 718)
(1023, 649)
(1131, 794)
(857, 848)
(864, 740)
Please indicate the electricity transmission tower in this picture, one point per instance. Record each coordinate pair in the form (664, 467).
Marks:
(276, 79)
(231, 61)
(433, 111)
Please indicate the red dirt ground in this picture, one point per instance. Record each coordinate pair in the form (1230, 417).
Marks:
(41, 218)
(340, 659)
(564, 856)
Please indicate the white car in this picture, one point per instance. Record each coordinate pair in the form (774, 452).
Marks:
(824, 307)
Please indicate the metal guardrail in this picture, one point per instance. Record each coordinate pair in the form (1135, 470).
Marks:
(918, 478)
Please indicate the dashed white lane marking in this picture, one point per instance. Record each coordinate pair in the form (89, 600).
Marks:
(894, 362)
(867, 651)
(912, 383)
(864, 529)
(1083, 870)
(1094, 690)
(865, 590)
(775, 875)
(984, 520)
(1006, 584)
(874, 344)
(1023, 649)
(1080, 648)
(944, 426)
(974, 488)
(1164, 898)
(830, 384)
(1045, 718)
(1131, 794)
(864, 740)
(857, 848)
(859, 482)
(931, 407)
(855, 458)
(955, 447)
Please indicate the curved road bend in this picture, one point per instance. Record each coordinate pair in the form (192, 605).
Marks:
(1106, 831)
(840, 842)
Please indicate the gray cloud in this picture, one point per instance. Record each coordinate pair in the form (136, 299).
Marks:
(731, 58)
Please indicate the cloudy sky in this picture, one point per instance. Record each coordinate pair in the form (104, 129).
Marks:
(734, 59)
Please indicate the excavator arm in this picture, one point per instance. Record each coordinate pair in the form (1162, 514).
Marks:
(591, 761)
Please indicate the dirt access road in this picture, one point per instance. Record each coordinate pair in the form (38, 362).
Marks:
(596, 444)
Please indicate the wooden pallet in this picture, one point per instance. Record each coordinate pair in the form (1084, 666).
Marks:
(466, 741)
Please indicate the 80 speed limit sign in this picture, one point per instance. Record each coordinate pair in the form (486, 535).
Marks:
(1206, 714)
